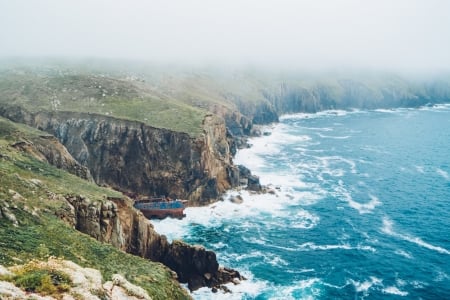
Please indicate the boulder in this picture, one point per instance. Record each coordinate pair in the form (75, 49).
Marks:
(253, 183)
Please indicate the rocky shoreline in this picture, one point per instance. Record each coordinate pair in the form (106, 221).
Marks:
(118, 223)
(133, 157)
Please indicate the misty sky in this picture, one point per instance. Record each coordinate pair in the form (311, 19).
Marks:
(406, 34)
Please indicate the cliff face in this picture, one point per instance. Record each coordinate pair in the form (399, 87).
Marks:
(48, 149)
(117, 223)
(346, 93)
(132, 157)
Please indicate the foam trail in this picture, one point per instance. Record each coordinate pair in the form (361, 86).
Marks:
(394, 291)
(362, 208)
(381, 110)
(403, 253)
(443, 173)
(388, 229)
(420, 169)
(319, 128)
(333, 137)
(312, 246)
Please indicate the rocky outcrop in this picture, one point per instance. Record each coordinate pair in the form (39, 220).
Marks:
(86, 283)
(48, 149)
(135, 158)
(117, 223)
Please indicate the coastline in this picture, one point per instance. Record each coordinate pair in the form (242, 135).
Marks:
(214, 216)
(269, 201)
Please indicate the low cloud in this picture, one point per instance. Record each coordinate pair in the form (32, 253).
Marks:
(402, 34)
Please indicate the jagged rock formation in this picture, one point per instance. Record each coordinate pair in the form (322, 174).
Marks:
(135, 158)
(117, 223)
(48, 149)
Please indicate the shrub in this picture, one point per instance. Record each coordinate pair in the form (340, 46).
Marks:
(33, 278)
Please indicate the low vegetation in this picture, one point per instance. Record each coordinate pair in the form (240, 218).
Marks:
(120, 98)
(30, 193)
(32, 277)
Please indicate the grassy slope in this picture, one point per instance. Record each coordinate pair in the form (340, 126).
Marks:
(44, 234)
(126, 98)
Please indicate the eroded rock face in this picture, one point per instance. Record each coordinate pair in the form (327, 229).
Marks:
(48, 149)
(118, 223)
(135, 158)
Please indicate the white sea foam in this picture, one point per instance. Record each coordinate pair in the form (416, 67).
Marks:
(333, 137)
(374, 149)
(418, 284)
(395, 291)
(334, 112)
(275, 261)
(305, 220)
(420, 169)
(325, 113)
(214, 214)
(249, 288)
(441, 276)
(337, 159)
(388, 229)
(403, 253)
(308, 289)
(443, 173)
(312, 246)
(254, 157)
(444, 106)
(364, 208)
(326, 129)
(363, 287)
(287, 181)
(240, 257)
(382, 110)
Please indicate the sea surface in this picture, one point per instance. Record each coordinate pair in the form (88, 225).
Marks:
(360, 210)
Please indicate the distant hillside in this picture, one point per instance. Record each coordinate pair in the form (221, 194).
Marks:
(178, 98)
(127, 98)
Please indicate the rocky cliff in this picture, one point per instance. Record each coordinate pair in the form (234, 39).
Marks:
(288, 96)
(48, 149)
(135, 158)
(117, 223)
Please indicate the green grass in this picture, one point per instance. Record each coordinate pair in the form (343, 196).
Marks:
(21, 244)
(118, 98)
(43, 234)
(34, 278)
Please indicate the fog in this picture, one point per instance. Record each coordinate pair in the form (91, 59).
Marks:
(400, 34)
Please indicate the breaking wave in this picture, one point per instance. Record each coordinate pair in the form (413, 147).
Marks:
(337, 180)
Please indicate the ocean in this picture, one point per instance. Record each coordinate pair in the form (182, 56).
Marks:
(359, 209)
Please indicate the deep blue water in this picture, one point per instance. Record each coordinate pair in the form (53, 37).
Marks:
(360, 210)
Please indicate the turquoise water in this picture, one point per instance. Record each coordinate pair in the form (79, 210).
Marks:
(359, 209)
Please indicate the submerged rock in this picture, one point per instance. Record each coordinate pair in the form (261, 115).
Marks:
(236, 199)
